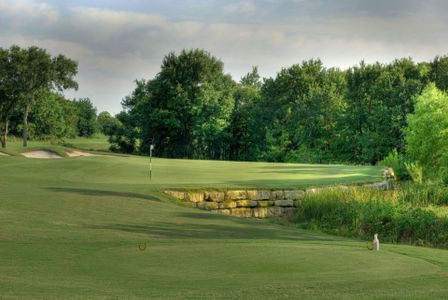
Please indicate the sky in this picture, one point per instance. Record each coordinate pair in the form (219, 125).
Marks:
(116, 42)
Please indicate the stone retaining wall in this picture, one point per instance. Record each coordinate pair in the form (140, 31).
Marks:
(255, 203)
(245, 203)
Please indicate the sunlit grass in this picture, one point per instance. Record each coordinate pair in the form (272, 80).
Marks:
(70, 228)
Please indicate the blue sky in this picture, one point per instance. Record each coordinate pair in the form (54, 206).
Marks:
(116, 42)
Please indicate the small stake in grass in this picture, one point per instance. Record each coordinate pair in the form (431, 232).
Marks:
(142, 247)
(376, 243)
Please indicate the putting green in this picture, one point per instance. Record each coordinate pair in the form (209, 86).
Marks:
(70, 228)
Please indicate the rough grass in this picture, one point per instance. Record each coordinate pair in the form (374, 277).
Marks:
(70, 228)
(411, 213)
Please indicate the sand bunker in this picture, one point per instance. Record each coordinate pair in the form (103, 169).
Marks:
(80, 153)
(49, 154)
(41, 154)
(3, 154)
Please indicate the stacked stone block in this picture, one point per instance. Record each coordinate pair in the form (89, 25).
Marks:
(257, 203)
(245, 203)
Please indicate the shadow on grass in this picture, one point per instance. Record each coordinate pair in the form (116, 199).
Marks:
(208, 231)
(209, 228)
(100, 193)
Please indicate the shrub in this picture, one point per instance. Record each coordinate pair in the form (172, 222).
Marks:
(415, 171)
(427, 132)
(397, 162)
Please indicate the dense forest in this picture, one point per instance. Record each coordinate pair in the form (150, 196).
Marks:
(193, 109)
(307, 113)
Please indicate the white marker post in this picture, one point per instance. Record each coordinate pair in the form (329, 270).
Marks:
(151, 147)
(376, 243)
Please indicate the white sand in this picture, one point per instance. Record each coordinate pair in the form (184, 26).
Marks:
(3, 154)
(76, 153)
(41, 154)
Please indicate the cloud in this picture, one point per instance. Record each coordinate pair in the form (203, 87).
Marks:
(23, 11)
(246, 8)
(115, 46)
(122, 33)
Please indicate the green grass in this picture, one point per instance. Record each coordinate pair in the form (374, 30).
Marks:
(70, 228)
(97, 143)
(189, 174)
(15, 147)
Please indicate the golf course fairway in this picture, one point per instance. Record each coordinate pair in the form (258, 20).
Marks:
(97, 228)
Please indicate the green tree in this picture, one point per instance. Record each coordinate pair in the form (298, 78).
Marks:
(185, 108)
(252, 79)
(364, 110)
(71, 117)
(427, 132)
(123, 134)
(37, 71)
(9, 89)
(47, 117)
(87, 125)
(378, 99)
(307, 113)
(300, 109)
(243, 126)
(439, 72)
(106, 122)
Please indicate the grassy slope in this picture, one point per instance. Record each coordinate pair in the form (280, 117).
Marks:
(96, 143)
(70, 228)
(15, 148)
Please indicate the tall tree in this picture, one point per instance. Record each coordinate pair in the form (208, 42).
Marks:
(10, 92)
(243, 127)
(427, 132)
(185, 108)
(47, 118)
(39, 71)
(124, 133)
(106, 122)
(87, 124)
(71, 117)
(301, 107)
(439, 72)
(378, 99)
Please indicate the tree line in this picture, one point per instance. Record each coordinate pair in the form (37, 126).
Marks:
(193, 109)
(306, 113)
(31, 103)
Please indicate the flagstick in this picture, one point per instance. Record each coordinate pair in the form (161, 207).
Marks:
(150, 161)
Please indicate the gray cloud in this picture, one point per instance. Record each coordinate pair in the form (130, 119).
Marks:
(116, 46)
